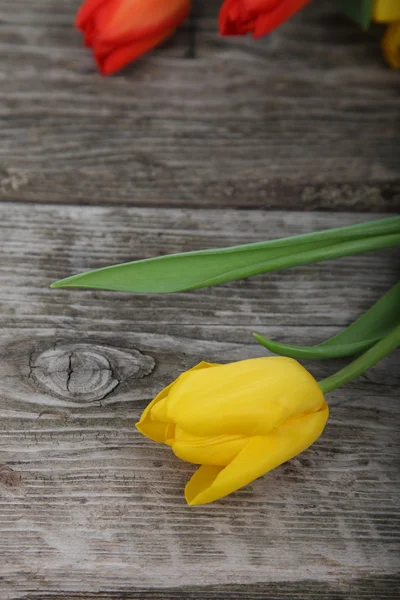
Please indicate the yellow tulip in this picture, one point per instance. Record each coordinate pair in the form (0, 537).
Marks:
(391, 45)
(386, 11)
(238, 421)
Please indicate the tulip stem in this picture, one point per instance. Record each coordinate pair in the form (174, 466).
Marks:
(381, 349)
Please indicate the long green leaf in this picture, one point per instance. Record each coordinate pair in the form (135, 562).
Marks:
(363, 333)
(192, 270)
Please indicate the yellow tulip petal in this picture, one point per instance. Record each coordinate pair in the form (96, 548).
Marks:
(260, 455)
(200, 482)
(152, 428)
(211, 450)
(155, 430)
(158, 411)
(386, 11)
(391, 45)
(249, 397)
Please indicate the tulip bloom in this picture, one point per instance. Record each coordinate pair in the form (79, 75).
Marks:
(119, 31)
(388, 11)
(238, 421)
(238, 17)
(391, 45)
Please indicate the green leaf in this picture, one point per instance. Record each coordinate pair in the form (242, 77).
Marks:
(363, 333)
(192, 270)
(385, 346)
(359, 11)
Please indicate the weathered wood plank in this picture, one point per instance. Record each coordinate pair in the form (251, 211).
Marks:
(306, 118)
(366, 588)
(89, 509)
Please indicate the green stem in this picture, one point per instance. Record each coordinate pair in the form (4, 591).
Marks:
(384, 347)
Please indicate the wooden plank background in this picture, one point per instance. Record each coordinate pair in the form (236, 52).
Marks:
(89, 504)
(159, 159)
(306, 118)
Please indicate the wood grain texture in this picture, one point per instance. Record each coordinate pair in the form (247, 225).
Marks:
(91, 510)
(306, 118)
(364, 588)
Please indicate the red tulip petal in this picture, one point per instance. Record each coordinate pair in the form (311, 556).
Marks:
(238, 17)
(134, 19)
(121, 56)
(87, 11)
(260, 6)
(284, 11)
(234, 19)
(226, 19)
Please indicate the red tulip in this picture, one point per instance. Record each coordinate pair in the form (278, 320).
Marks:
(119, 31)
(238, 17)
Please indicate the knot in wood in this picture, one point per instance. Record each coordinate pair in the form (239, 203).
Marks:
(84, 372)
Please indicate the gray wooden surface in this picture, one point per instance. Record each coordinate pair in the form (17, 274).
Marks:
(307, 117)
(159, 159)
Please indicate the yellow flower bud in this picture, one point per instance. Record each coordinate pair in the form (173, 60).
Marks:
(391, 45)
(238, 421)
(386, 11)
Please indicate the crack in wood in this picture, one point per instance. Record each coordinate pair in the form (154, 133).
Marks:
(69, 371)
